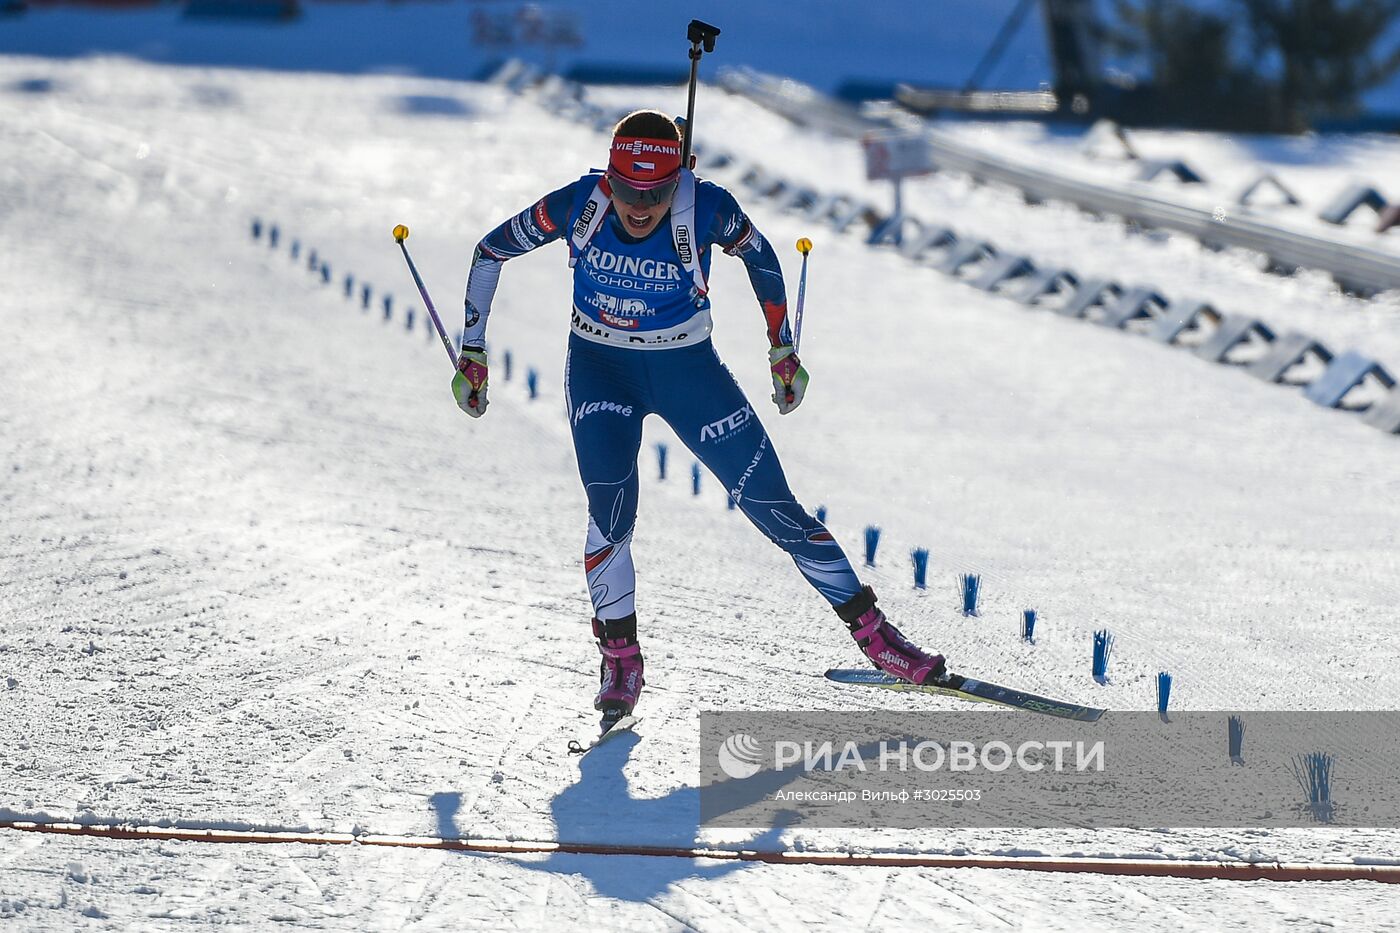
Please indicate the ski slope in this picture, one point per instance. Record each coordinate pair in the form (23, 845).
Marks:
(259, 572)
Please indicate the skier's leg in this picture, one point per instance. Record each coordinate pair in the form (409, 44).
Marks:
(605, 415)
(606, 406)
(607, 562)
(698, 397)
(885, 645)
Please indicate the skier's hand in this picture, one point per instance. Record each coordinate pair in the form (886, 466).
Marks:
(469, 385)
(789, 378)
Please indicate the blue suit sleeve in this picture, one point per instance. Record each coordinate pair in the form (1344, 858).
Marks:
(541, 223)
(735, 233)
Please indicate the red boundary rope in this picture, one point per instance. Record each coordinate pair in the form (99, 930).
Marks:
(1155, 868)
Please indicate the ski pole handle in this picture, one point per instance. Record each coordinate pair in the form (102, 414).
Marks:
(804, 246)
(401, 234)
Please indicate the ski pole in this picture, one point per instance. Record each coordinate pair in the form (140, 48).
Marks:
(700, 34)
(804, 246)
(401, 234)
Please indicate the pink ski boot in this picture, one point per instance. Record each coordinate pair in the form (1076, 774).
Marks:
(621, 668)
(883, 644)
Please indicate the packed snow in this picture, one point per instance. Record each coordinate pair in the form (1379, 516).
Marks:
(259, 571)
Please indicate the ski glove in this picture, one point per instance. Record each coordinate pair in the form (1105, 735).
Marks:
(789, 378)
(469, 385)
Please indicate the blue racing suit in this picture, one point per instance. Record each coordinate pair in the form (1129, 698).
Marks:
(640, 345)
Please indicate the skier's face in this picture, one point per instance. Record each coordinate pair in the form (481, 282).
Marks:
(639, 220)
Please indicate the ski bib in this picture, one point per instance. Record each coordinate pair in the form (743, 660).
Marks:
(646, 294)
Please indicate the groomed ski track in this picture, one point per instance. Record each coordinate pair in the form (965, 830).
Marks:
(257, 570)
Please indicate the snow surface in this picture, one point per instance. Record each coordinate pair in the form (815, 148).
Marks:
(259, 571)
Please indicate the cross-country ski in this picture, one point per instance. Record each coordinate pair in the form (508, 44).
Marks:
(611, 728)
(966, 688)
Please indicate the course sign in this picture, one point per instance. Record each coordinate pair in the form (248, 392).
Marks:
(891, 156)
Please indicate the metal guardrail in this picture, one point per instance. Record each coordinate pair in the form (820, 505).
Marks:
(798, 102)
(1355, 268)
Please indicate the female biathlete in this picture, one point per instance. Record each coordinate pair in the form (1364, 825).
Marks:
(639, 237)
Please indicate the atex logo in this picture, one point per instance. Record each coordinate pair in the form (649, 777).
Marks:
(727, 425)
(588, 408)
(740, 756)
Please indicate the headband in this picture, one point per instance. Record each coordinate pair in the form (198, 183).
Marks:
(644, 163)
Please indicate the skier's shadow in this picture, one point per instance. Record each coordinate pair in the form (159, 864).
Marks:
(599, 808)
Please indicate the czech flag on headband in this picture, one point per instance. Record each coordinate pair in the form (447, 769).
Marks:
(645, 163)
